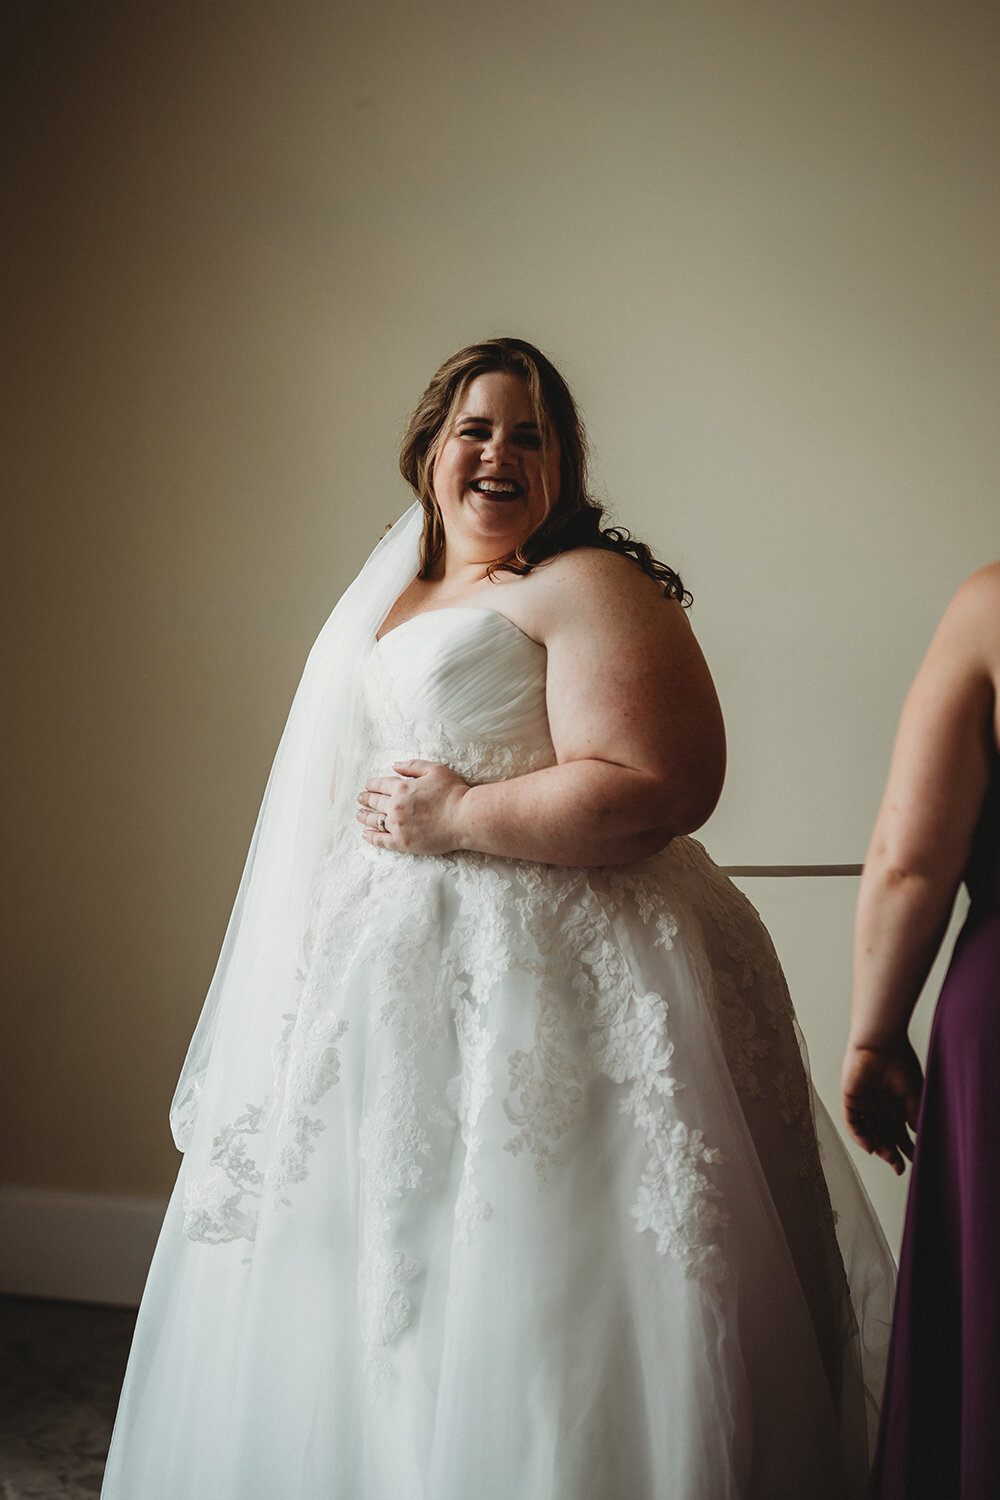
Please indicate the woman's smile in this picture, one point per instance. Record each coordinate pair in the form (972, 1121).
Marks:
(496, 474)
(497, 489)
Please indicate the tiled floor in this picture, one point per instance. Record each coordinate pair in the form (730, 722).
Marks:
(61, 1367)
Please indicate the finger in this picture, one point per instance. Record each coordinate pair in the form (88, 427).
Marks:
(868, 1141)
(875, 1131)
(413, 767)
(889, 1140)
(378, 800)
(862, 1128)
(382, 786)
(372, 819)
(887, 1153)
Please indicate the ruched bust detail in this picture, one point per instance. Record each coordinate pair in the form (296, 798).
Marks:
(464, 686)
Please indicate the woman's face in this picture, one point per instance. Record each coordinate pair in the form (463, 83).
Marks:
(488, 472)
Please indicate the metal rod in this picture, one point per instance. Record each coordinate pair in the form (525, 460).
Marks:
(791, 869)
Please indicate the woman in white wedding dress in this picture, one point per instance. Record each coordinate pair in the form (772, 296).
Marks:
(501, 1179)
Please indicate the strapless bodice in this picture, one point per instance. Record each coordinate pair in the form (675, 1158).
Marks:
(464, 686)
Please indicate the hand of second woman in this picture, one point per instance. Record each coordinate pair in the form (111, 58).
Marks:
(881, 1089)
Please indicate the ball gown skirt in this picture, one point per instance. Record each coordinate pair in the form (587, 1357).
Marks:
(942, 1402)
(521, 1195)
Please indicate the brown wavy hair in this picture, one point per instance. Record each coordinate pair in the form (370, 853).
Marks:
(576, 519)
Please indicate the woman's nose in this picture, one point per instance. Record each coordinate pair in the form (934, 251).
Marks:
(497, 449)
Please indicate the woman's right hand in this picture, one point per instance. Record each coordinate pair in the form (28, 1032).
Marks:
(880, 1090)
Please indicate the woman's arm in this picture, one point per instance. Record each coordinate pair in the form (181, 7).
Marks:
(938, 778)
(635, 722)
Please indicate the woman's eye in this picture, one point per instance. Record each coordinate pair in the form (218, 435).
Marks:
(476, 434)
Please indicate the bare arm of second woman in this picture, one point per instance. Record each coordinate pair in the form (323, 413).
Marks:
(634, 719)
(938, 778)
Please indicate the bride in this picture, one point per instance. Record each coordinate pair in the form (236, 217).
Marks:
(501, 1175)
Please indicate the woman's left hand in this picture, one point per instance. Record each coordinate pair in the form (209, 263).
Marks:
(880, 1091)
(415, 811)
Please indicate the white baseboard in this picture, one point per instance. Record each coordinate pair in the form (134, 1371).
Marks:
(76, 1247)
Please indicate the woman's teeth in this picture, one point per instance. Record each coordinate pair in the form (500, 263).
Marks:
(495, 487)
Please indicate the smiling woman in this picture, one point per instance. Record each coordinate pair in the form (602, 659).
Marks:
(571, 518)
(501, 1175)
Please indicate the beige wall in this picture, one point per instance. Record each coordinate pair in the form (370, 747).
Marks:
(760, 238)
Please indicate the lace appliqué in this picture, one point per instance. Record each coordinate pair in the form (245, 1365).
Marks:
(311, 1068)
(266, 1149)
(752, 1007)
(627, 1041)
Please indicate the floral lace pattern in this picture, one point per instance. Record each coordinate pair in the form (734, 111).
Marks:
(752, 1008)
(480, 1006)
(628, 1042)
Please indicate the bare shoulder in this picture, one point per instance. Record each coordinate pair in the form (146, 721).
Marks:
(595, 585)
(948, 732)
(980, 593)
(599, 569)
(970, 628)
(953, 706)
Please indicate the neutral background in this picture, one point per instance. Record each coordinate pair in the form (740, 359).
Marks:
(759, 238)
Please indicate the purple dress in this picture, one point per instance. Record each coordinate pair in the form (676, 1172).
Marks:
(941, 1411)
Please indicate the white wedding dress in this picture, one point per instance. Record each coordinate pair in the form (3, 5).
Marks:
(521, 1199)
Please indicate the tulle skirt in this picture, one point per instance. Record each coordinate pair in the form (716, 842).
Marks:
(524, 1199)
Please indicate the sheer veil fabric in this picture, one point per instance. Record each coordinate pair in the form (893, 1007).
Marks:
(500, 1179)
(313, 778)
